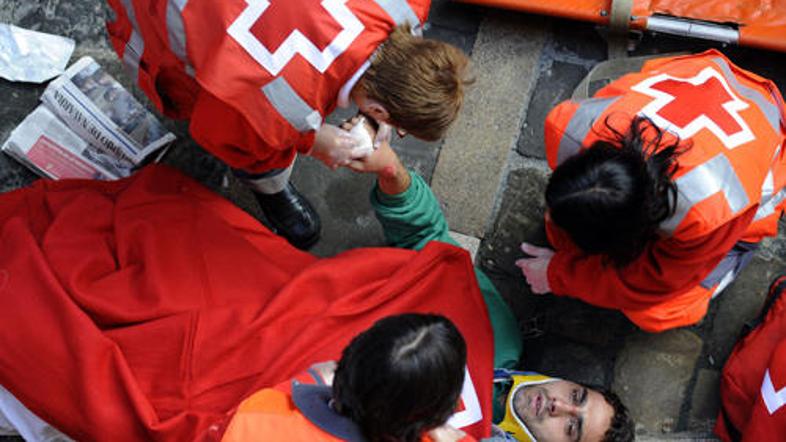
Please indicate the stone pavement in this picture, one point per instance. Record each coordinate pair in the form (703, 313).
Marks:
(490, 175)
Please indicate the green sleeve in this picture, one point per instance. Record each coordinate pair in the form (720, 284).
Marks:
(413, 218)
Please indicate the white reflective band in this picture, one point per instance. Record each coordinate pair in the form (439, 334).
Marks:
(135, 46)
(769, 109)
(176, 31)
(772, 399)
(469, 397)
(289, 104)
(399, 11)
(768, 206)
(702, 182)
(769, 201)
(580, 125)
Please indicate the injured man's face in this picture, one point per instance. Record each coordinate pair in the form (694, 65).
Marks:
(563, 411)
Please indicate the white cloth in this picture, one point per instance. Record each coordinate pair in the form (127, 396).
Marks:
(271, 184)
(365, 145)
(16, 419)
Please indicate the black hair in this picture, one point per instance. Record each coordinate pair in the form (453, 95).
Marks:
(622, 428)
(401, 377)
(612, 197)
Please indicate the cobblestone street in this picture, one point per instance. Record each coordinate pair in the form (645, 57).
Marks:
(490, 174)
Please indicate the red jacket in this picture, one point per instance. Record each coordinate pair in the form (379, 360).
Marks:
(753, 386)
(256, 78)
(149, 308)
(730, 182)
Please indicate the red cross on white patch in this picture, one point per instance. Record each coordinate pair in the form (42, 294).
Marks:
(685, 106)
(296, 42)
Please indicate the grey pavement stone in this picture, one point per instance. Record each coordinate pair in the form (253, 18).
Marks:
(81, 20)
(652, 374)
(520, 218)
(568, 360)
(457, 16)
(505, 60)
(739, 303)
(705, 400)
(569, 53)
(468, 243)
(341, 198)
(461, 39)
(555, 85)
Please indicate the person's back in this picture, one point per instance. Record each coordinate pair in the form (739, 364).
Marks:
(395, 382)
(663, 183)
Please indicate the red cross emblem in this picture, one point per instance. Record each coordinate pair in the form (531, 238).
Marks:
(260, 20)
(687, 105)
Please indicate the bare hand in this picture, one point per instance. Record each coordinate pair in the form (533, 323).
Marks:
(536, 269)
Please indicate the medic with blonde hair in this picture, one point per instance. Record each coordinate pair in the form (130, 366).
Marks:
(257, 78)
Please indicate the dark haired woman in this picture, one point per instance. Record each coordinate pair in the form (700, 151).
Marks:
(663, 185)
(395, 381)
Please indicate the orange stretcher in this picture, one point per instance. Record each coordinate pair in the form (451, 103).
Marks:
(756, 23)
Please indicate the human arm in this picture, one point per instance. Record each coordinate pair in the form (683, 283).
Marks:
(411, 217)
(667, 266)
(404, 204)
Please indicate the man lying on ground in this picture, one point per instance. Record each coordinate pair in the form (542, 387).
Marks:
(152, 308)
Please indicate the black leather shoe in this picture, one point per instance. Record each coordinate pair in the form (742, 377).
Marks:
(291, 216)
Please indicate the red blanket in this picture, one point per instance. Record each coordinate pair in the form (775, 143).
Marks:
(147, 309)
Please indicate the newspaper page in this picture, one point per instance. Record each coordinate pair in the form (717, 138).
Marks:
(100, 110)
(50, 148)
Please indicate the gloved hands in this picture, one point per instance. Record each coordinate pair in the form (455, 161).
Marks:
(535, 269)
(381, 158)
(384, 133)
(333, 146)
(392, 177)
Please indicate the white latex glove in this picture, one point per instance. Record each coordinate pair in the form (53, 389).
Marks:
(536, 269)
(384, 133)
(364, 145)
(333, 146)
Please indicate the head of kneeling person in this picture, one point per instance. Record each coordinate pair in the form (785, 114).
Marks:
(543, 409)
(612, 197)
(414, 84)
(402, 377)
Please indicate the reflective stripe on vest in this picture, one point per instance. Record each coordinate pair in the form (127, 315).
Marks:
(580, 124)
(176, 32)
(135, 46)
(289, 104)
(703, 181)
(769, 199)
(399, 11)
(769, 109)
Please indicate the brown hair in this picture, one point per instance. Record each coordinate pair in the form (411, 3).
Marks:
(419, 81)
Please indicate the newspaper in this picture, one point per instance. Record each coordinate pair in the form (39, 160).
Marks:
(88, 126)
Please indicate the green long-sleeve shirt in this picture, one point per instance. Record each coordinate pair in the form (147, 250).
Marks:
(413, 218)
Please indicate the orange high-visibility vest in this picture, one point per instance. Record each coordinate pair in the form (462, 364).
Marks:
(734, 123)
(256, 77)
(277, 414)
